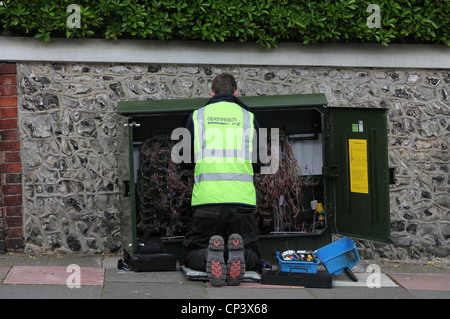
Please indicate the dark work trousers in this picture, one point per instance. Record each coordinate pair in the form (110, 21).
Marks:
(223, 220)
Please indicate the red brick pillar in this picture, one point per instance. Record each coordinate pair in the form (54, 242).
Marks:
(10, 167)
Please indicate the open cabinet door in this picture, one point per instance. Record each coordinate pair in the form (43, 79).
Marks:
(356, 172)
(126, 184)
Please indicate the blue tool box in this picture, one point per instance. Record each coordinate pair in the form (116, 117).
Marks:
(336, 257)
(309, 267)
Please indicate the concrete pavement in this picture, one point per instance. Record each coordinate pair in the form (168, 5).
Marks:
(24, 276)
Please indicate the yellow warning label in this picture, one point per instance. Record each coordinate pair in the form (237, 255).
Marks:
(359, 181)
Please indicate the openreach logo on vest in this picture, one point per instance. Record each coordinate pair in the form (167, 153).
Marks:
(223, 120)
(269, 159)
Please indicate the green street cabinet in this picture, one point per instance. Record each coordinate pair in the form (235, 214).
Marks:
(345, 149)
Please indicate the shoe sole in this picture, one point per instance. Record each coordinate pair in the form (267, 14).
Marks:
(236, 260)
(215, 263)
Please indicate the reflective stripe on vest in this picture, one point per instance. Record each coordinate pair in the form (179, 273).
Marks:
(223, 151)
(223, 177)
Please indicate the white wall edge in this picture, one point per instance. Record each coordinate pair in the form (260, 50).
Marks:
(418, 56)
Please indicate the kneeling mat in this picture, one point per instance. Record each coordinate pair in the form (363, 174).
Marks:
(194, 274)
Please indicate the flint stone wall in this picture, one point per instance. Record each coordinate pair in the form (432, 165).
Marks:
(68, 133)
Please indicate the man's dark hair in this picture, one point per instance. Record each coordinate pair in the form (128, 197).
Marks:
(224, 83)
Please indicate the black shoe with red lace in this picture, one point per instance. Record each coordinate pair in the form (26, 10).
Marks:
(215, 262)
(236, 260)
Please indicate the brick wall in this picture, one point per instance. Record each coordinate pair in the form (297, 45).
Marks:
(11, 238)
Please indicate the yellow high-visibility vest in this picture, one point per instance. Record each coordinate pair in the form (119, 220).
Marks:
(223, 146)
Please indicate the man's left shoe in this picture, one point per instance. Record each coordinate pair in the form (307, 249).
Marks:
(236, 260)
(215, 261)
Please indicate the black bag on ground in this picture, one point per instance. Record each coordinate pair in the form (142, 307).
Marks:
(149, 256)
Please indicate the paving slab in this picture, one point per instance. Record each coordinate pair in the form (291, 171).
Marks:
(430, 294)
(255, 285)
(51, 275)
(364, 280)
(241, 292)
(389, 267)
(154, 290)
(110, 262)
(115, 275)
(23, 260)
(50, 292)
(423, 281)
(82, 261)
(3, 272)
(360, 293)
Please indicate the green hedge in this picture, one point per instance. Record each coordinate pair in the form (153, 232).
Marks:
(267, 22)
